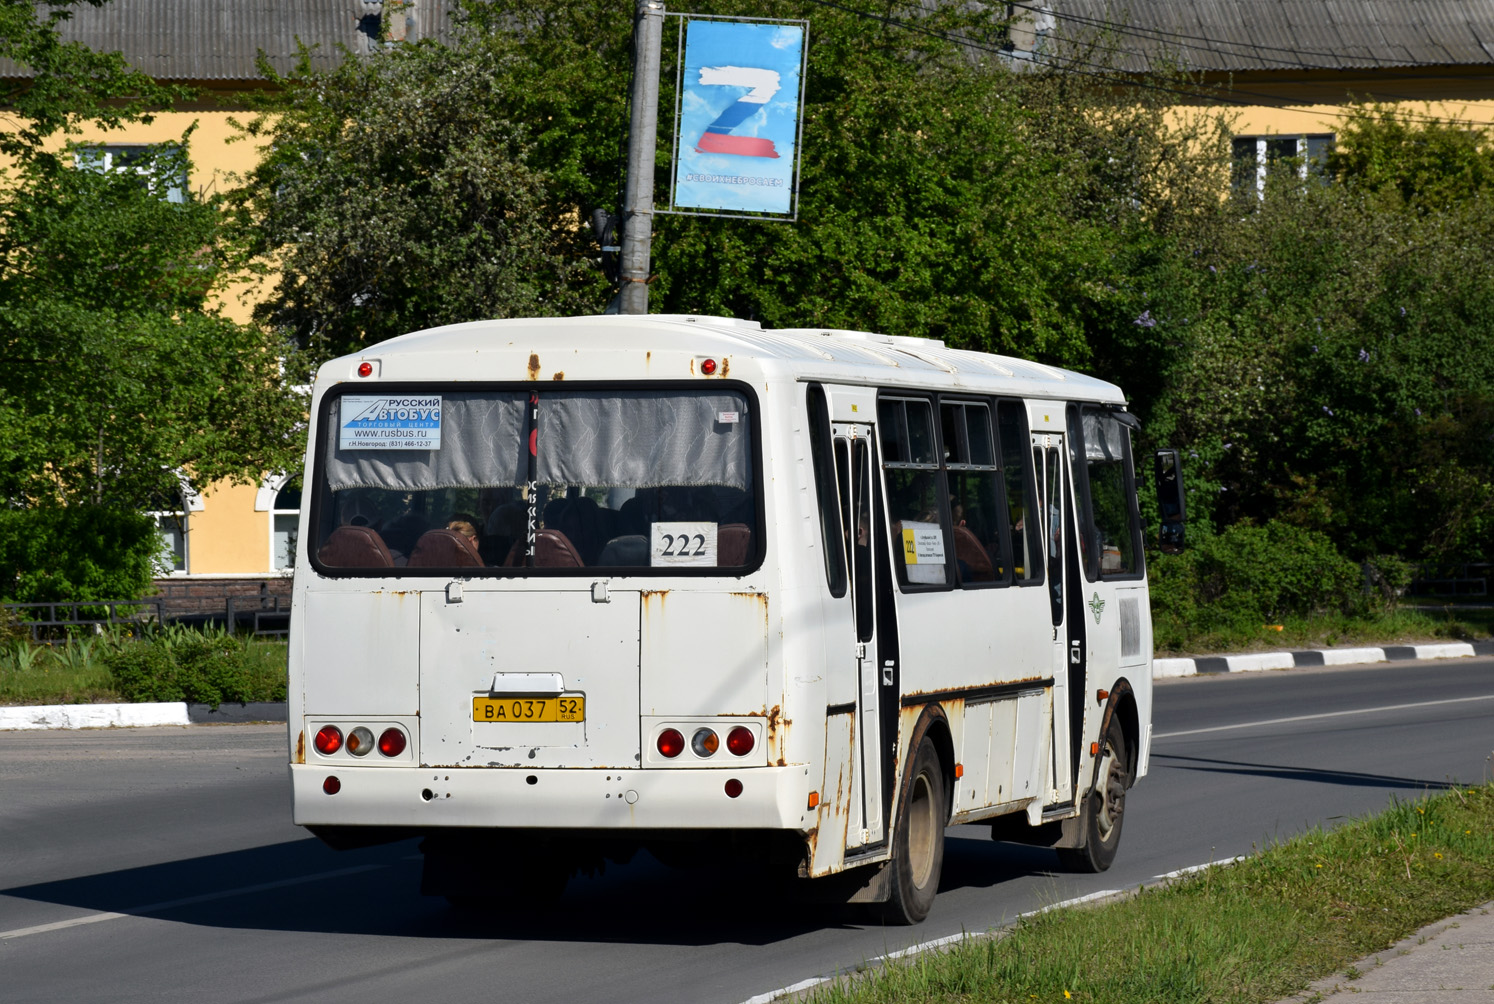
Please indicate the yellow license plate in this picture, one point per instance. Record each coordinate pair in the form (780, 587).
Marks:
(565, 708)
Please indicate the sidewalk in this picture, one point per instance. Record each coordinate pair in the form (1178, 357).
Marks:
(1451, 960)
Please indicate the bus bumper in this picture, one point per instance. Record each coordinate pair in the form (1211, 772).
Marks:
(598, 799)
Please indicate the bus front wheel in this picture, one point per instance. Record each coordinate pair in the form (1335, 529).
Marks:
(1104, 807)
(918, 843)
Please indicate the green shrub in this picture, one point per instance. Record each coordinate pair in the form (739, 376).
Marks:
(76, 553)
(199, 668)
(1247, 577)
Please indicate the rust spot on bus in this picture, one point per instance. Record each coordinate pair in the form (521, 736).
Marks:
(725, 366)
(534, 366)
(559, 376)
(301, 747)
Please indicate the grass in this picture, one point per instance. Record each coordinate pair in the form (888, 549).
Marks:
(73, 672)
(1422, 622)
(1249, 933)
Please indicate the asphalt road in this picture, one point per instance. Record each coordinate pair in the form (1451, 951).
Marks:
(161, 863)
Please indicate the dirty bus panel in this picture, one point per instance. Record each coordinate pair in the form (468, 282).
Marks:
(575, 587)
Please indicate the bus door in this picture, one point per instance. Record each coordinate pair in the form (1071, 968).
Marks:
(855, 467)
(1048, 466)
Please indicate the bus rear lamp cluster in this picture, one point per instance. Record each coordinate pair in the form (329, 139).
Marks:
(705, 742)
(360, 742)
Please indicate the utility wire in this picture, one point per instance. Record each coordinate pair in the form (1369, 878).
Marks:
(1159, 34)
(1125, 78)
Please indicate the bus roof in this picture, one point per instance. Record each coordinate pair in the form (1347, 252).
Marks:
(531, 348)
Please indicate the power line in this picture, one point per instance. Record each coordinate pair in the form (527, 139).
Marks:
(1159, 34)
(1115, 77)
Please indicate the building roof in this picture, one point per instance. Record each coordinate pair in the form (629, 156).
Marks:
(218, 40)
(1281, 35)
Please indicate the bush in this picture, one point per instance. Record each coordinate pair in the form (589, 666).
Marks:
(1246, 577)
(79, 552)
(183, 665)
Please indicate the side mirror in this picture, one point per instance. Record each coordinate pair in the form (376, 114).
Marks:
(1168, 465)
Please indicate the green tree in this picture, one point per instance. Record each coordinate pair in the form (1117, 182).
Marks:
(398, 193)
(121, 382)
(69, 82)
(1426, 162)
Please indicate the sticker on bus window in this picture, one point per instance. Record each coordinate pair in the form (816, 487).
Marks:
(680, 544)
(923, 551)
(389, 423)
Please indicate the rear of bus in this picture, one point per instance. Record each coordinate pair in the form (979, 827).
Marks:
(533, 617)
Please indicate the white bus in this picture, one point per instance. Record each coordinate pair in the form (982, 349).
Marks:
(577, 587)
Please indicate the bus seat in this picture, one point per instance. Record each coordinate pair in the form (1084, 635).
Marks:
(973, 556)
(733, 544)
(581, 522)
(493, 549)
(629, 550)
(444, 548)
(355, 547)
(552, 549)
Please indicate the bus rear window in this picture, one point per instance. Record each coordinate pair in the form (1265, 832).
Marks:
(435, 481)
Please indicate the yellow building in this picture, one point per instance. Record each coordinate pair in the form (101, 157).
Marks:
(231, 540)
(1285, 68)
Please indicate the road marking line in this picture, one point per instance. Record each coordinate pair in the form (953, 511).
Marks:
(94, 918)
(814, 981)
(1326, 714)
(1196, 868)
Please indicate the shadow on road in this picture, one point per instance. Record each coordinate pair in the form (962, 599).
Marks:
(1316, 774)
(303, 886)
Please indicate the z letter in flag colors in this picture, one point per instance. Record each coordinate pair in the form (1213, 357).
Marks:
(738, 123)
(718, 138)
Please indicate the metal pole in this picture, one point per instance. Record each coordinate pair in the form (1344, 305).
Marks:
(643, 131)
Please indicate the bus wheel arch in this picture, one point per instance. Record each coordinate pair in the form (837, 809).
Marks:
(924, 805)
(1122, 707)
(1100, 821)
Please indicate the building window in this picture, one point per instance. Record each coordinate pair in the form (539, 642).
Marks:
(1253, 156)
(285, 517)
(172, 529)
(162, 168)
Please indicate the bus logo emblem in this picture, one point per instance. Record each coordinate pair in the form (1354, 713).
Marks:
(1097, 606)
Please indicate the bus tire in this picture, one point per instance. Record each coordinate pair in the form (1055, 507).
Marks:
(918, 843)
(1104, 807)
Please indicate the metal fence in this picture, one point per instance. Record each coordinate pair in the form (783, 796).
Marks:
(49, 623)
(1467, 578)
(262, 614)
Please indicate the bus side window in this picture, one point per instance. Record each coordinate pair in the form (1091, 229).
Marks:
(1022, 519)
(970, 460)
(1114, 521)
(915, 492)
(832, 536)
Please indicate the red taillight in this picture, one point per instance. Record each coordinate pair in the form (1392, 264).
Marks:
(365, 369)
(740, 741)
(329, 740)
(331, 785)
(708, 366)
(671, 744)
(392, 742)
(733, 788)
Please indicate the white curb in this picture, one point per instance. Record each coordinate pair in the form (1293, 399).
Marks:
(93, 716)
(1258, 661)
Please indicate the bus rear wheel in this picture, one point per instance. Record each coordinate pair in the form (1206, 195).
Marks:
(918, 843)
(1104, 807)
